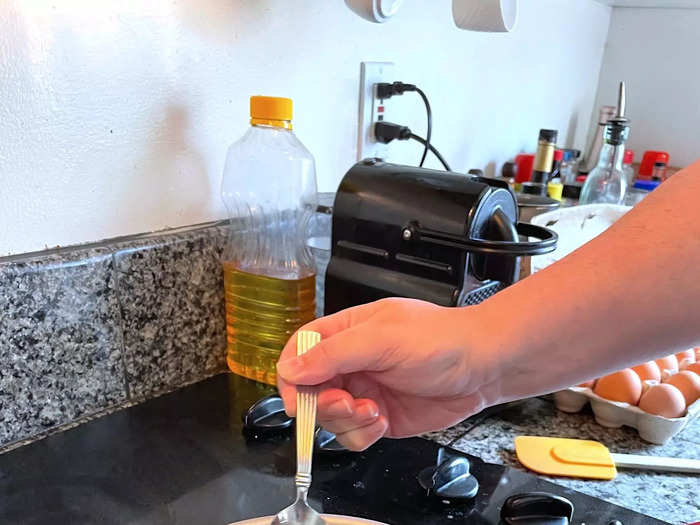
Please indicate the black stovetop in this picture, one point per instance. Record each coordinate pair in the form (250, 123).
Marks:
(183, 459)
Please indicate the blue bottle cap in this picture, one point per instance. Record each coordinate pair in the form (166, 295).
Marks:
(646, 185)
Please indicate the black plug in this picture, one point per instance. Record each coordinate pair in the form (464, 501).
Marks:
(386, 90)
(385, 132)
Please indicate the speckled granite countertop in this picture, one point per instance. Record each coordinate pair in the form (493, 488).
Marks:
(86, 330)
(670, 497)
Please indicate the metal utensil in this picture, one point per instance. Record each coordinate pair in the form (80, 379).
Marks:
(300, 513)
(331, 519)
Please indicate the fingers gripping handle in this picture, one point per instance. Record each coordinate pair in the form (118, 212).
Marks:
(306, 414)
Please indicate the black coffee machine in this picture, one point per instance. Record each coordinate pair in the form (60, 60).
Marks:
(447, 238)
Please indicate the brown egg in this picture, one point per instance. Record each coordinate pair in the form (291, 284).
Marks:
(663, 400)
(648, 371)
(686, 354)
(646, 385)
(624, 386)
(694, 367)
(670, 362)
(587, 384)
(688, 383)
(685, 363)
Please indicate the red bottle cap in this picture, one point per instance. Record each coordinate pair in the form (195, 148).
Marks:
(629, 157)
(646, 167)
(558, 155)
(581, 178)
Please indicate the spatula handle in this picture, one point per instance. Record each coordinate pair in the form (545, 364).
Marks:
(306, 415)
(656, 463)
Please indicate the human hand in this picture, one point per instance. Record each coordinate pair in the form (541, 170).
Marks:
(395, 368)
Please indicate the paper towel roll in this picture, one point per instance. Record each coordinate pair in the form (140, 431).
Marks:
(494, 16)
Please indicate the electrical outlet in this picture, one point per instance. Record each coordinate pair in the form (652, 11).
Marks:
(371, 109)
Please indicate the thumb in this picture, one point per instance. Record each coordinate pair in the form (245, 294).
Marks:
(355, 349)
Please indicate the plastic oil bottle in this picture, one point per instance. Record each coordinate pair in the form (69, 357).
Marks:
(269, 189)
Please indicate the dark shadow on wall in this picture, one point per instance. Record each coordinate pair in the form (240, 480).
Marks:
(571, 132)
(170, 186)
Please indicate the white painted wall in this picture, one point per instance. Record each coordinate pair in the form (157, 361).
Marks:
(656, 52)
(115, 116)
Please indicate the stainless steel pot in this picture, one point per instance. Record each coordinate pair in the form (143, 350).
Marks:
(531, 205)
(528, 207)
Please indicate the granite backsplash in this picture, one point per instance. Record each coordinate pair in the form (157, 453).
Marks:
(87, 329)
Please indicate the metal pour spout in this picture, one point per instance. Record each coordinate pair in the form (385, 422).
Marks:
(621, 102)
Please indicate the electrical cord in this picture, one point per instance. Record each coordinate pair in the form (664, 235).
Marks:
(386, 90)
(429, 133)
(385, 132)
(431, 148)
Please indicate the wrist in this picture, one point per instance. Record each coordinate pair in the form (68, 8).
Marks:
(487, 350)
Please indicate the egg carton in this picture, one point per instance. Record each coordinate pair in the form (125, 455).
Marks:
(613, 414)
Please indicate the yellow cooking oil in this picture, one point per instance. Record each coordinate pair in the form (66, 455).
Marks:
(262, 313)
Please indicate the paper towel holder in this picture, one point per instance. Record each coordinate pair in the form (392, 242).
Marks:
(492, 16)
(378, 11)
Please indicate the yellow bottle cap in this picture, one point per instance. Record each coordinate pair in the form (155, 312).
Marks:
(554, 190)
(271, 111)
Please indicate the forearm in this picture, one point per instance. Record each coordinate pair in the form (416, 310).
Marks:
(630, 295)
